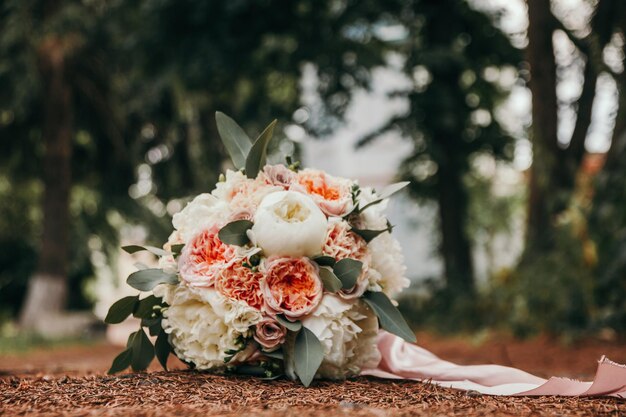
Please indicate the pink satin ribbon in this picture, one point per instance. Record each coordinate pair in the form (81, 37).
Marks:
(402, 360)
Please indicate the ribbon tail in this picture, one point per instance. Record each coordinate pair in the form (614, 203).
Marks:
(403, 360)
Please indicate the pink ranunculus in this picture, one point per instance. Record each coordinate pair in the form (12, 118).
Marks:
(291, 286)
(342, 243)
(332, 195)
(240, 283)
(270, 334)
(203, 258)
(278, 175)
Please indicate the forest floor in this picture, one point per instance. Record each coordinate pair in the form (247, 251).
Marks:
(71, 380)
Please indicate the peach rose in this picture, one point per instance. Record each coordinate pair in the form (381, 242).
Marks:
(270, 334)
(291, 286)
(203, 258)
(341, 243)
(240, 283)
(332, 195)
(278, 175)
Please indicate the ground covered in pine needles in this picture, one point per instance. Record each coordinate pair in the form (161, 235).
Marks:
(186, 393)
(71, 381)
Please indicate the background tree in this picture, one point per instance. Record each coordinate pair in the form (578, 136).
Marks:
(451, 116)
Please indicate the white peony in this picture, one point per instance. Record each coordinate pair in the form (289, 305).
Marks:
(205, 210)
(289, 223)
(348, 333)
(387, 269)
(202, 324)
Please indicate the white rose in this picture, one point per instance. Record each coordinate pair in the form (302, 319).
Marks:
(196, 331)
(289, 223)
(348, 333)
(204, 211)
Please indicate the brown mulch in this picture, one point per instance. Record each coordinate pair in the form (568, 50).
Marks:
(71, 381)
(196, 394)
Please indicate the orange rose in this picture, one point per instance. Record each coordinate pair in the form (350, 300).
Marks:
(332, 195)
(240, 283)
(291, 286)
(203, 258)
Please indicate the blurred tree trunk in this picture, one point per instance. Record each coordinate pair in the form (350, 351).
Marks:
(455, 245)
(540, 56)
(47, 288)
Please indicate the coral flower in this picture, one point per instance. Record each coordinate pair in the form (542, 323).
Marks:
(291, 286)
(333, 195)
(203, 258)
(342, 243)
(240, 283)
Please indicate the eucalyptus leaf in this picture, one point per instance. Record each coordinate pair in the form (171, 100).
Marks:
(234, 233)
(121, 362)
(257, 157)
(389, 316)
(329, 279)
(324, 260)
(348, 271)
(152, 249)
(177, 248)
(121, 309)
(386, 192)
(147, 279)
(235, 140)
(162, 348)
(369, 235)
(145, 307)
(308, 355)
(294, 326)
(142, 351)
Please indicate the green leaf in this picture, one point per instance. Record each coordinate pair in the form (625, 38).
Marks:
(143, 351)
(162, 348)
(329, 279)
(324, 260)
(153, 324)
(258, 153)
(389, 316)
(177, 249)
(348, 271)
(294, 326)
(136, 248)
(386, 192)
(251, 370)
(121, 362)
(308, 356)
(145, 307)
(147, 279)
(121, 309)
(235, 140)
(369, 235)
(234, 233)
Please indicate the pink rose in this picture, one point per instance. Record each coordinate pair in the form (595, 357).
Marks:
(240, 283)
(278, 175)
(203, 258)
(342, 243)
(270, 334)
(332, 195)
(291, 286)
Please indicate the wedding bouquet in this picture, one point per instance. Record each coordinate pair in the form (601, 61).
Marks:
(278, 271)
